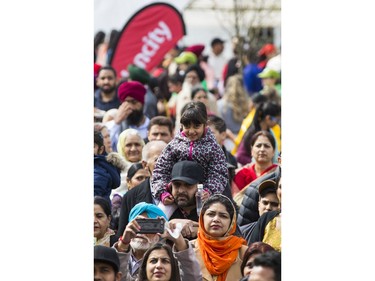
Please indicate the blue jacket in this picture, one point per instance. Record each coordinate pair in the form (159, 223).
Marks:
(252, 82)
(107, 169)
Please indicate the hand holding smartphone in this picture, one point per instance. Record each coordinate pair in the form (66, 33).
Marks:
(151, 226)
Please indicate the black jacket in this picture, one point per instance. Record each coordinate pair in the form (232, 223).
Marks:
(140, 193)
(249, 207)
(258, 230)
(247, 230)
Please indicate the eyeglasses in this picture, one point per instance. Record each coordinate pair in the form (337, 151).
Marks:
(275, 119)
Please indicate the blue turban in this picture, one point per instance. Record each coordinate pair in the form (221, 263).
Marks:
(152, 211)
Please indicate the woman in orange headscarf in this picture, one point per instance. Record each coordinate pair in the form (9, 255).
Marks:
(218, 249)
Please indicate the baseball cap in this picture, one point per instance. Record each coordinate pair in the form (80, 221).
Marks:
(188, 171)
(186, 57)
(269, 73)
(107, 255)
(266, 186)
(267, 49)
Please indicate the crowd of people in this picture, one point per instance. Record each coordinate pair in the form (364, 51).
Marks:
(194, 120)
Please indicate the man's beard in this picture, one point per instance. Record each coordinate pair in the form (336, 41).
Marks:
(107, 91)
(183, 204)
(135, 117)
(139, 244)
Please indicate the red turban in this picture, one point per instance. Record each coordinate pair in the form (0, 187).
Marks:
(196, 49)
(132, 89)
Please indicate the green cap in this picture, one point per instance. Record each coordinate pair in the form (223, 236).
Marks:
(186, 57)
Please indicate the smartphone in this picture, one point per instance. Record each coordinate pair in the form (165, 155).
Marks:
(151, 225)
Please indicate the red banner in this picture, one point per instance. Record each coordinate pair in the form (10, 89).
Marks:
(147, 37)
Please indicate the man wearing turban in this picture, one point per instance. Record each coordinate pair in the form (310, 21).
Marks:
(130, 112)
(140, 243)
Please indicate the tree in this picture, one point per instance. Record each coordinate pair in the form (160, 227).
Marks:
(249, 22)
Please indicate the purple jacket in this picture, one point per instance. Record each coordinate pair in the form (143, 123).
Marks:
(205, 151)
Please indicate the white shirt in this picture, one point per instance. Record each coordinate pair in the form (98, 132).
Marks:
(217, 63)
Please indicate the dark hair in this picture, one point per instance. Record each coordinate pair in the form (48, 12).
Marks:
(98, 138)
(108, 67)
(262, 110)
(251, 55)
(133, 169)
(253, 249)
(153, 83)
(197, 69)
(159, 86)
(113, 36)
(268, 108)
(104, 203)
(161, 121)
(175, 274)
(195, 90)
(98, 38)
(217, 122)
(219, 198)
(258, 98)
(194, 112)
(267, 134)
(270, 259)
(176, 78)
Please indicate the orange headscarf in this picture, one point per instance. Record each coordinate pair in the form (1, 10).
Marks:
(219, 255)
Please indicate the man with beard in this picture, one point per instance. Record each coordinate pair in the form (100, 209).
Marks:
(184, 184)
(130, 113)
(134, 250)
(105, 97)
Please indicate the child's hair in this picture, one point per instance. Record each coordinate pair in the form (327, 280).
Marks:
(218, 123)
(194, 112)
